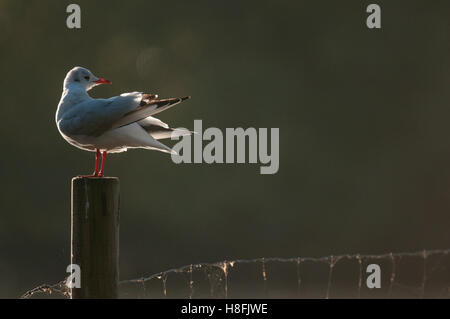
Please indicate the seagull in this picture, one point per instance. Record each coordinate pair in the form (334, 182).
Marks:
(111, 125)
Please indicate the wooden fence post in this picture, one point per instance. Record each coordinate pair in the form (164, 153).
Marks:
(95, 236)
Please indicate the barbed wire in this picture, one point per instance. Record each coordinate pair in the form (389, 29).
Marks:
(217, 274)
(58, 288)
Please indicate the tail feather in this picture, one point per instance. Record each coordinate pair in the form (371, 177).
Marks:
(159, 133)
(164, 150)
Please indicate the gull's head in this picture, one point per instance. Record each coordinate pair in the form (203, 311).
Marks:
(84, 78)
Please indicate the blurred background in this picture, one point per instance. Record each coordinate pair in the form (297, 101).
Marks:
(363, 117)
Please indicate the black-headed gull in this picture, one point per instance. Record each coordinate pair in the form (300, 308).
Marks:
(111, 125)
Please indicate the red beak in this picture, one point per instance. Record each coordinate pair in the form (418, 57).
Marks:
(103, 81)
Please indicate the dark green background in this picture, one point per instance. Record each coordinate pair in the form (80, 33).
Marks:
(363, 117)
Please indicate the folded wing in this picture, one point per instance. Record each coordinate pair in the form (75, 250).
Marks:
(146, 108)
(96, 116)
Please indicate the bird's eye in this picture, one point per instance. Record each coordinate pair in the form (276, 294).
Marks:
(77, 80)
(86, 78)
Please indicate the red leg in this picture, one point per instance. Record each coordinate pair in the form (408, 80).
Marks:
(102, 169)
(97, 159)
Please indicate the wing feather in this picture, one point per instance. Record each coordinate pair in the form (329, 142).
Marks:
(152, 107)
(96, 116)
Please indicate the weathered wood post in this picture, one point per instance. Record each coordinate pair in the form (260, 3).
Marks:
(95, 236)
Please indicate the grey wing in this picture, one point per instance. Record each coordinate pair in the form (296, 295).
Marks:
(148, 107)
(96, 116)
